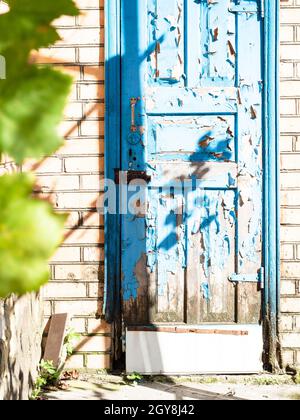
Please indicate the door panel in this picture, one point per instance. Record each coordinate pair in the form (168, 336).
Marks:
(194, 69)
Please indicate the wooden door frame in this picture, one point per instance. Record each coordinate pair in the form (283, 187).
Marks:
(271, 205)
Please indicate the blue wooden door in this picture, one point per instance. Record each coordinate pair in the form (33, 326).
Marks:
(192, 133)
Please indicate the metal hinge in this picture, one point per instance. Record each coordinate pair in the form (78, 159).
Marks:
(249, 278)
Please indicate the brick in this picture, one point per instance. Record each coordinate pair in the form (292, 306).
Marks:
(89, 18)
(84, 237)
(289, 88)
(68, 129)
(97, 326)
(290, 161)
(83, 164)
(77, 272)
(288, 358)
(290, 269)
(290, 340)
(91, 128)
(78, 325)
(289, 180)
(73, 70)
(288, 287)
(94, 110)
(92, 73)
(92, 182)
(89, 4)
(286, 323)
(95, 290)
(91, 55)
(89, 91)
(65, 290)
(58, 183)
(73, 219)
(290, 305)
(290, 198)
(81, 147)
(98, 362)
(290, 216)
(65, 21)
(74, 96)
(67, 254)
(286, 70)
(73, 111)
(79, 36)
(286, 33)
(47, 165)
(290, 233)
(75, 362)
(56, 55)
(88, 307)
(94, 344)
(93, 254)
(287, 251)
(288, 106)
(290, 16)
(290, 125)
(80, 200)
(286, 143)
(92, 219)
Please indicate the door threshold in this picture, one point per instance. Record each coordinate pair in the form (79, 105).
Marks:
(158, 351)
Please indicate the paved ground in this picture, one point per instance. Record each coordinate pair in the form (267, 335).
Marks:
(231, 388)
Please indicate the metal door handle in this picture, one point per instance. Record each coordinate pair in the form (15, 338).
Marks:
(133, 102)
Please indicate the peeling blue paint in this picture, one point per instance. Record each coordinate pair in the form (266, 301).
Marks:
(206, 291)
(199, 119)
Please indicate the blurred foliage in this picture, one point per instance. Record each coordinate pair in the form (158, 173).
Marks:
(32, 100)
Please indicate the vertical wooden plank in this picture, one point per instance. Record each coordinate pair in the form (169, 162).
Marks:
(167, 23)
(194, 270)
(218, 33)
(193, 51)
(169, 266)
(112, 223)
(218, 243)
(250, 163)
(55, 339)
(134, 274)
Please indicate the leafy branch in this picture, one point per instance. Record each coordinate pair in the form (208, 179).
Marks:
(32, 101)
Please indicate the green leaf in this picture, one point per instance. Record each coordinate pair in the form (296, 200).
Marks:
(30, 232)
(32, 98)
(30, 110)
(29, 22)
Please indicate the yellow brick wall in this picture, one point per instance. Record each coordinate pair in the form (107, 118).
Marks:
(71, 179)
(290, 180)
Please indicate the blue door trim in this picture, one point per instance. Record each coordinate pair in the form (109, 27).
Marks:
(112, 270)
(271, 236)
(271, 177)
